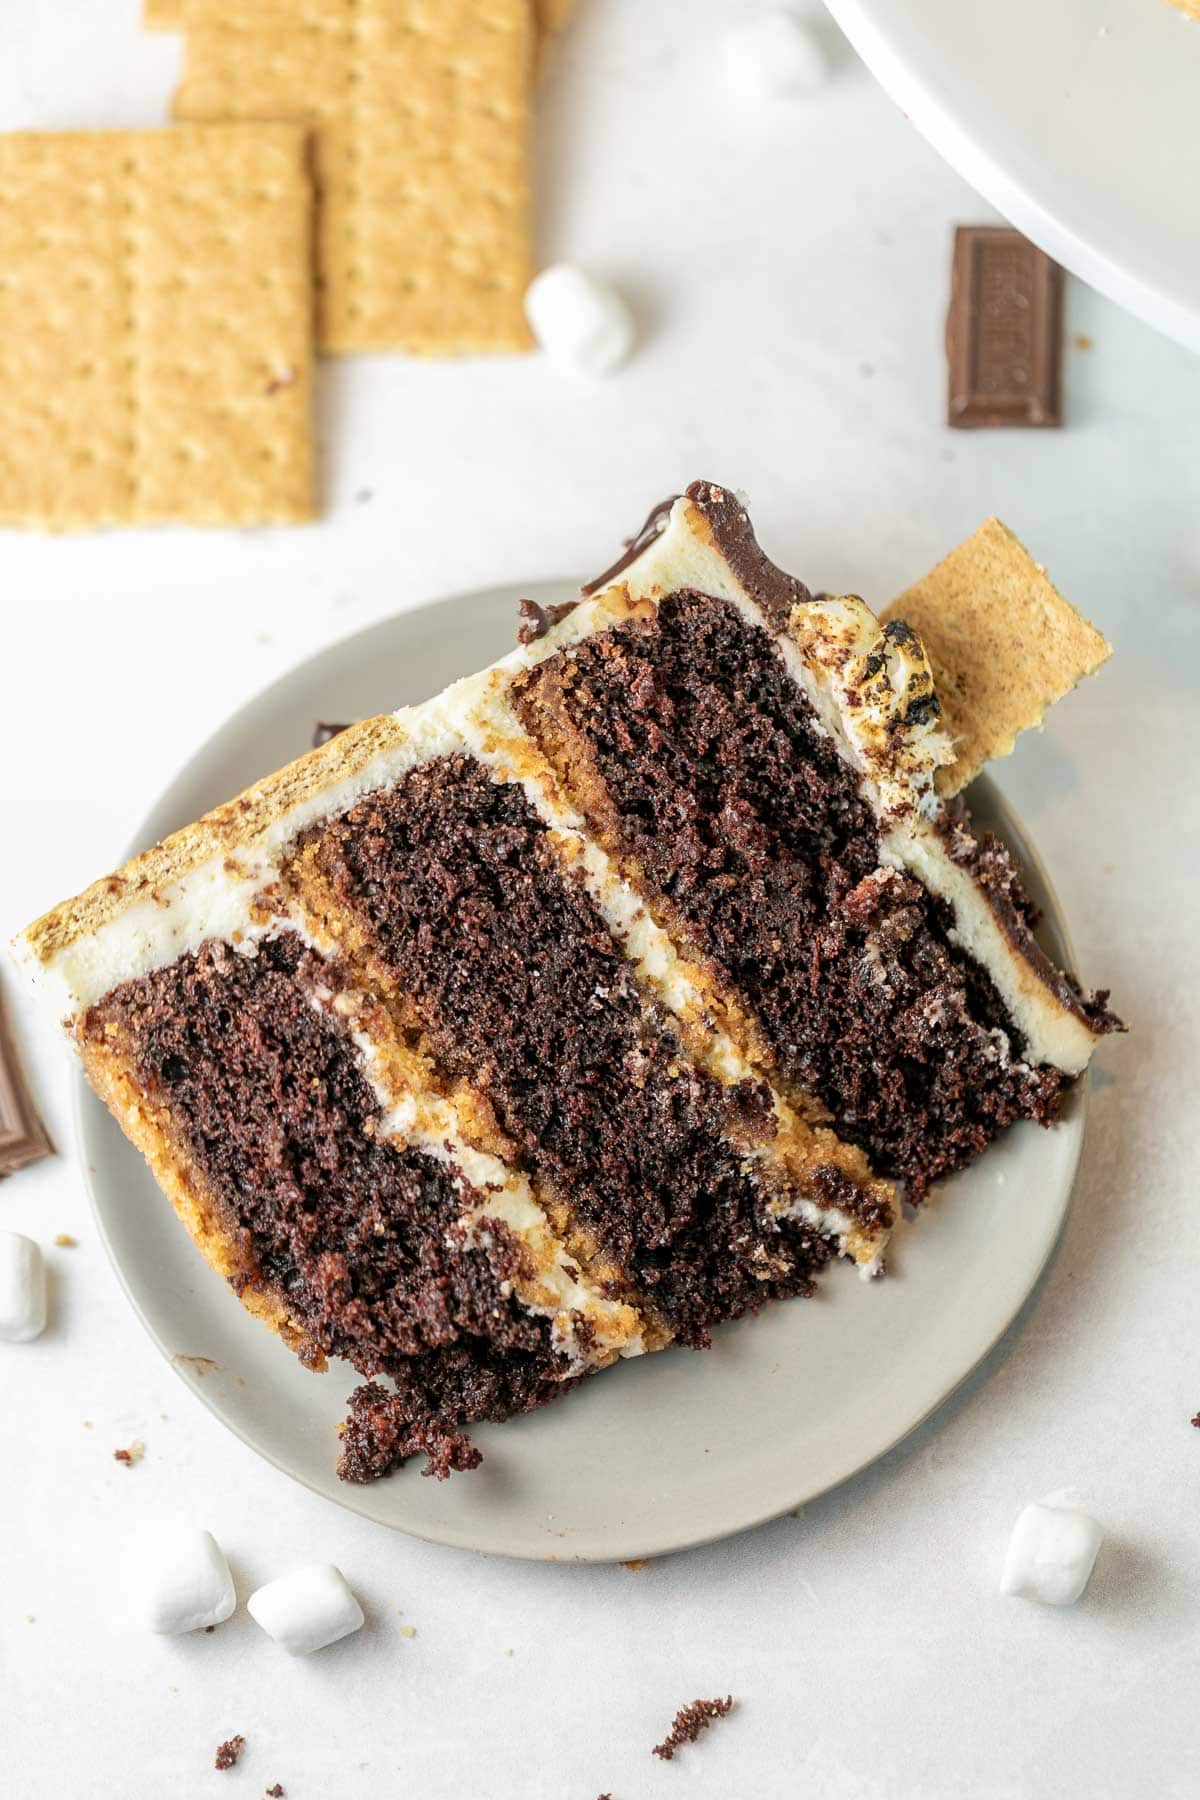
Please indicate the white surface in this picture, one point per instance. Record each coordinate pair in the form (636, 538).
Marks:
(792, 282)
(22, 1288)
(1077, 118)
(582, 324)
(781, 1408)
(1051, 1554)
(306, 1610)
(773, 55)
(180, 1578)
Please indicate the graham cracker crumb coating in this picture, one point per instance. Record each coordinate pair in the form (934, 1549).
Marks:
(235, 826)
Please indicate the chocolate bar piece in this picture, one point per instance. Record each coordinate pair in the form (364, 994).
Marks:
(22, 1137)
(1004, 331)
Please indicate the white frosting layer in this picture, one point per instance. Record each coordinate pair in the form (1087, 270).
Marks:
(214, 899)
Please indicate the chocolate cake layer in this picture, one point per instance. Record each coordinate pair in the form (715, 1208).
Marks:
(360, 1236)
(523, 991)
(699, 763)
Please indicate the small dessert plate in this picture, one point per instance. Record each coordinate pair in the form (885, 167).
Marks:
(662, 1452)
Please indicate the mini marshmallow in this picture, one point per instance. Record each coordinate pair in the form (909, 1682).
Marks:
(181, 1579)
(581, 323)
(22, 1288)
(1051, 1554)
(307, 1609)
(775, 56)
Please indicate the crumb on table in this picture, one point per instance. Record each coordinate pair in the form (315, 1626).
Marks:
(690, 1721)
(133, 1453)
(275, 1791)
(65, 1241)
(228, 1752)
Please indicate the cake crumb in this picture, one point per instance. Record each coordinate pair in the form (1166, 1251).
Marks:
(276, 1791)
(1081, 341)
(65, 1241)
(408, 1631)
(635, 1563)
(228, 1752)
(133, 1453)
(1196, 1421)
(200, 1366)
(690, 1721)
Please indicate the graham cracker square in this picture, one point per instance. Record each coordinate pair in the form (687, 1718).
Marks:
(420, 117)
(1003, 644)
(155, 327)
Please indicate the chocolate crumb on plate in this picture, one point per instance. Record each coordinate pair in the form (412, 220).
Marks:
(276, 1791)
(23, 1138)
(1196, 1421)
(690, 1721)
(323, 731)
(132, 1454)
(228, 1752)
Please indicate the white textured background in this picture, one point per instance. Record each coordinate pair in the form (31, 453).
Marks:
(790, 276)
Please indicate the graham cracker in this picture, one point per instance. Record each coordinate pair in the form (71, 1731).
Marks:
(171, 15)
(155, 327)
(420, 119)
(552, 15)
(1002, 642)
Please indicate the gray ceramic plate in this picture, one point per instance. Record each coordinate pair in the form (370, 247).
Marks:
(657, 1454)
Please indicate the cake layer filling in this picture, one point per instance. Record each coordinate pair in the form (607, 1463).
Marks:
(700, 765)
(467, 911)
(361, 1237)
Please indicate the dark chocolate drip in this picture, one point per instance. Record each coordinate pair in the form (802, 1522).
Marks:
(537, 620)
(656, 524)
(773, 590)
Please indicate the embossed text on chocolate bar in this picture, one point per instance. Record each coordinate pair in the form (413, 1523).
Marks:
(1004, 331)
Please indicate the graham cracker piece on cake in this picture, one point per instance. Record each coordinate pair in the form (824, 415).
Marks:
(1002, 642)
(420, 118)
(155, 327)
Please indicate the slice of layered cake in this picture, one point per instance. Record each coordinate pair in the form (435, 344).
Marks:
(594, 1002)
